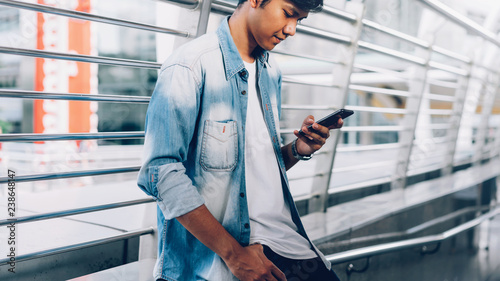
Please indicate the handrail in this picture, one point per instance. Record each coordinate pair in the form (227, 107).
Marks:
(379, 90)
(76, 211)
(288, 79)
(447, 68)
(72, 174)
(461, 20)
(5, 93)
(71, 136)
(375, 69)
(392, 53)
(60, 250)
(80, 58)
(408, 243)
(368, 147)
(377, 109)
(395, 33)
(90, 17)
(439, 97)
(322, 59)
(324, 34)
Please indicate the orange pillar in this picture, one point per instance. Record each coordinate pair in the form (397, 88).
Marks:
(39, 76)
(79, 36)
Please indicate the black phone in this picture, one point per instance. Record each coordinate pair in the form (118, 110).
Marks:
(331, 119)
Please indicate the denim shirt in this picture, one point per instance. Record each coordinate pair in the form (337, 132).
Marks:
(194, 150)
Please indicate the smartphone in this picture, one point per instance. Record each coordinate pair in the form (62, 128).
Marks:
(331, 118)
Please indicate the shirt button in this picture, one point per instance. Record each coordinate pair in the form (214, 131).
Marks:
(242, 195)
(247, 225)
(243, 73)
(243, 92)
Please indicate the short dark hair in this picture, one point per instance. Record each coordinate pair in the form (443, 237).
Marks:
(312, 6)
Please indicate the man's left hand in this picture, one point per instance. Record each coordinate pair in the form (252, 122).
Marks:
(314, 139)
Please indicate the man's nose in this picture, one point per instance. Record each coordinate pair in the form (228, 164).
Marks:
(290, 28)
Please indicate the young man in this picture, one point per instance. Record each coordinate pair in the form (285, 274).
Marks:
(213, 160)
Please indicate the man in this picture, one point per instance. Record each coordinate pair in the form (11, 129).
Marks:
(213, 160)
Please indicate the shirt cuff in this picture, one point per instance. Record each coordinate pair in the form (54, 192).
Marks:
(177, 195)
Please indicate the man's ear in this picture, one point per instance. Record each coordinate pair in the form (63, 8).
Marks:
(254, 3)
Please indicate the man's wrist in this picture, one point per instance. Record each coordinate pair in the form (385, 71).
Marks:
(296, 154)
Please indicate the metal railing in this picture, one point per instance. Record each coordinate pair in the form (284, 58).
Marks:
(370, 251)
(348, 40)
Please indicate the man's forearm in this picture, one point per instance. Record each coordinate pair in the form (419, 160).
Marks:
(203, 225)
(246, 263)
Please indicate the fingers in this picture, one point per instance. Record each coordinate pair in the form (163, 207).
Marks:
(278, 274)
(317, 135)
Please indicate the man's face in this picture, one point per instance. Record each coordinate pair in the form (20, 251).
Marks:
(274, 22)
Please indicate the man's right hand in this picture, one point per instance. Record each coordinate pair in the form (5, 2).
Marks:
(250, 264)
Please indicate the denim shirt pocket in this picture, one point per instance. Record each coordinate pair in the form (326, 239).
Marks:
(219, 150)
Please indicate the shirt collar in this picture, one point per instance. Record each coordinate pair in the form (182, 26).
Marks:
(231, 57)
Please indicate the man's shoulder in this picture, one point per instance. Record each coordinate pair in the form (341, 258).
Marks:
(192, 52)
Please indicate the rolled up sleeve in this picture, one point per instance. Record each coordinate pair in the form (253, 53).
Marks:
(170, 125)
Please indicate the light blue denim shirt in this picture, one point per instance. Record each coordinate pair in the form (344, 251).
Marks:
(194, 150)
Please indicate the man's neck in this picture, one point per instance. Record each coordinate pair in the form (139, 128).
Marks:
(244, 41)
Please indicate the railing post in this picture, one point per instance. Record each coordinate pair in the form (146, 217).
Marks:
(417, 87)
(455, 120)
(490, 91)
(342, 73)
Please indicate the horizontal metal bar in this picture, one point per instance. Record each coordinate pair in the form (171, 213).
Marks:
(396, 34)
(90, 17)
(308, 176)
(462, 20)
(377, 109)
(75, 136)
(188, 3)
(451, 54)
(357, 129)
(372, 129)
(72, 96)
(368, 147)
(437, 111)
(223, 7)
(73, 212)
(409, 243)
(392, 53)
(343, 39)
(80, 58)
(425, 127)
(379, 90)
(72, 174)
(448, 68)
(439, 97)
(307, 107)
(60, 250)
(288, 79)
(359, 185)
(359, 167)
(427, 141)
(381, 70)
(316, 58)
(446, 84)
(340, 14)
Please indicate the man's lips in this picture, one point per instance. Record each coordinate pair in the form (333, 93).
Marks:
(279, 39)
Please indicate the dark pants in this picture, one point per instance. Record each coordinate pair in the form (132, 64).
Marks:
(301, 270)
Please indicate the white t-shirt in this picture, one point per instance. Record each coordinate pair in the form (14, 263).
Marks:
(270, 218)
